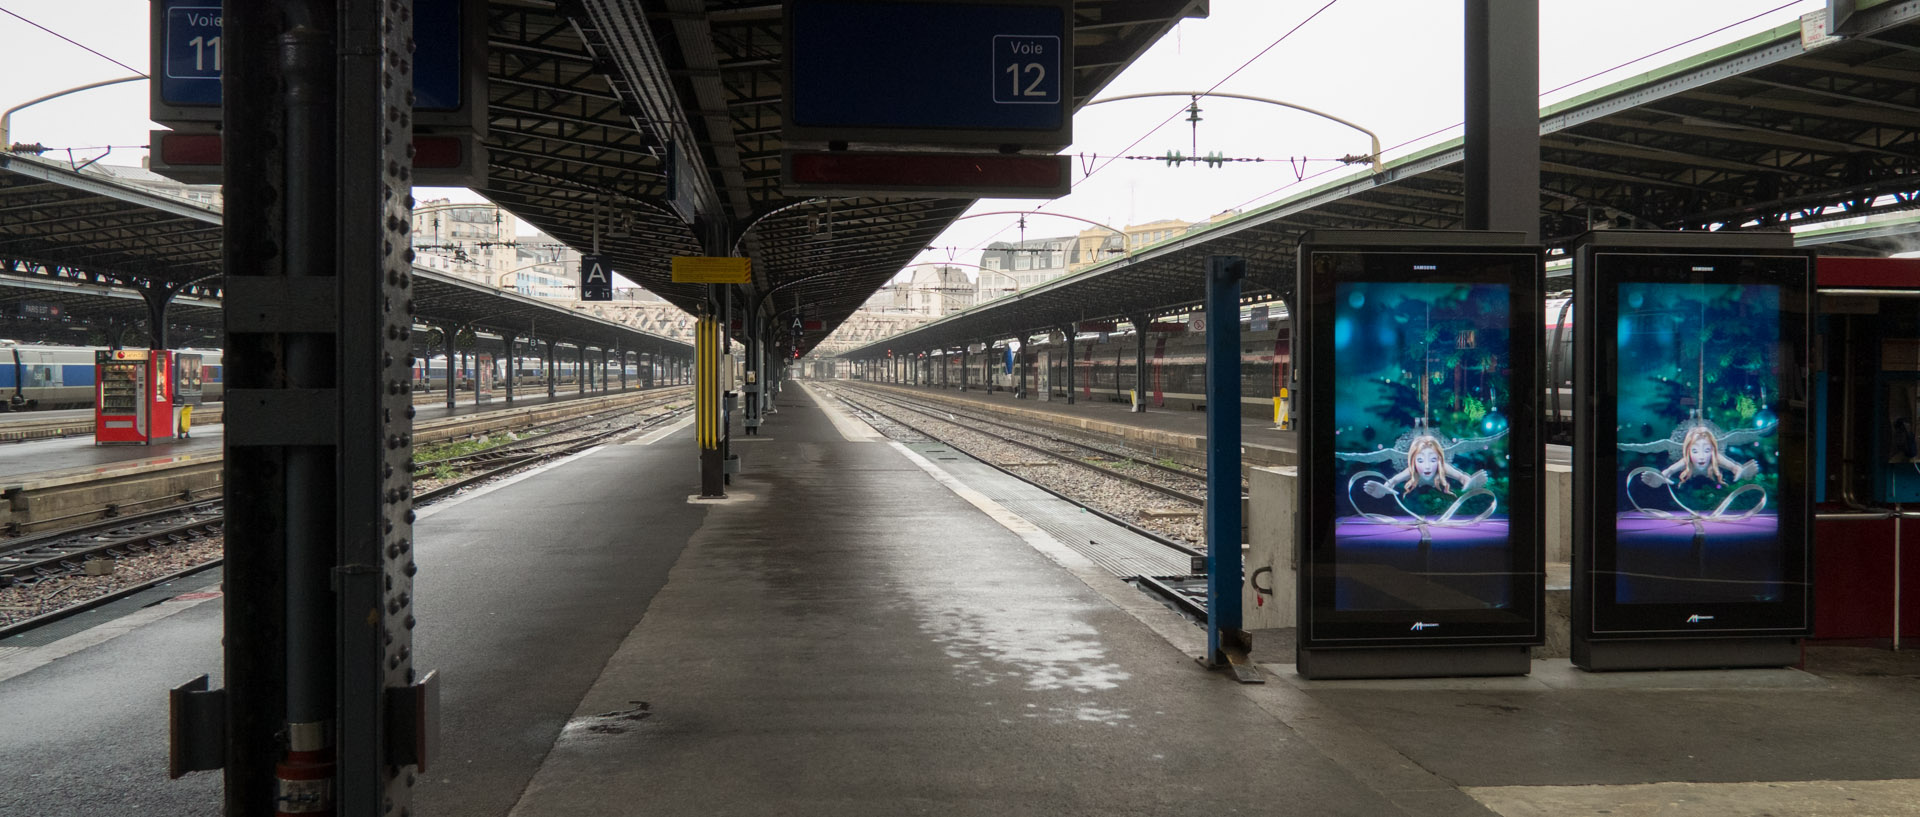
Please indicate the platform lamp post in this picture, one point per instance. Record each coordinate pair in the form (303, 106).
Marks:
(6, 117)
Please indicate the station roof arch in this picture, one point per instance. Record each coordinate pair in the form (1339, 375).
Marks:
(1768, 133)
(92, 243)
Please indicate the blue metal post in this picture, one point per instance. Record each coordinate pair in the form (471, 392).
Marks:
(1224, 274)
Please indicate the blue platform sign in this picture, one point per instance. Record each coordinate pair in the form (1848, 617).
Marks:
(192, 54)
(930, 71)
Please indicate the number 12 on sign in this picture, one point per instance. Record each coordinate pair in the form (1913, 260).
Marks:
(1029, 67)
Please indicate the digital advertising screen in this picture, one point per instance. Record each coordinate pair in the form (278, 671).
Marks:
(1423, 504)
(1695, 462)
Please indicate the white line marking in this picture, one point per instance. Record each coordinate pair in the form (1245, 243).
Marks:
(463, 496)
(852, 430)
(659, 434)
(34, 658)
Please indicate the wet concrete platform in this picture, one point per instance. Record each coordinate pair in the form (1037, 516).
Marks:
(849, 633)
(40, 463)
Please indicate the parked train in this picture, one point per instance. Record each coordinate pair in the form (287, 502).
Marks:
(431, 374)
(1104, 368)
(62, 377)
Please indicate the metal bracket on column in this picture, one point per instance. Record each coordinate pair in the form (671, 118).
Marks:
(196, 728)
(1235, 647)
(413, 722)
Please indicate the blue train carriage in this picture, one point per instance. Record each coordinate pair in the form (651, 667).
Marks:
(42, 377)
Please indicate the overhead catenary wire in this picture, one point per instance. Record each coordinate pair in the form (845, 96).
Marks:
(1183, 109)
(16, 15)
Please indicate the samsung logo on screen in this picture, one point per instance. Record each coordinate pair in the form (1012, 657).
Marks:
(1426, 266)
(1702, 269)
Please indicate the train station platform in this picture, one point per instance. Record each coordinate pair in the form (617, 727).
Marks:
(871, 628)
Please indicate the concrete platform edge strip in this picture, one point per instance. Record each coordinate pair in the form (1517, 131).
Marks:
(32, 659)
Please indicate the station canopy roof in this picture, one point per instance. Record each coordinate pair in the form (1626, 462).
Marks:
(91, 244)
(587, 95)
(1764, 134)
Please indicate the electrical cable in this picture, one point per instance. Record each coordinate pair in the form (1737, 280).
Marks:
(1155, 129)
(15, 15)
(1563, 87)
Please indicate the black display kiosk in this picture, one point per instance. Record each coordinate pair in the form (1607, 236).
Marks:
(1692, 516)
(1420, 454)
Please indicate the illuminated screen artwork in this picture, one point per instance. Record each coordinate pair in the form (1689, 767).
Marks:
(1421, 451)
(1697, 470)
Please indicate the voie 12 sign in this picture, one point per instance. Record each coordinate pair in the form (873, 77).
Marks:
(933, 72)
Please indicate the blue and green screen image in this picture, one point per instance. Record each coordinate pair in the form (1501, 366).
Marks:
(1421, 466)
(1697, 444)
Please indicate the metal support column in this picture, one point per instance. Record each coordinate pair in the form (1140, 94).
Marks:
(706, 405)
(1072, 366)
(1227, 643)
(963, 368)
(1020, 389)
(447, 333)
(580, 369)
(553, 371)
(754, 387)
(1140, 380)
(508, 341)
(1502, 162)
(158, 296)
(318, 606)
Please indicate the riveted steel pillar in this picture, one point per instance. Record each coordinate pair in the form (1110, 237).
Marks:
(447, 333)
(319, 568)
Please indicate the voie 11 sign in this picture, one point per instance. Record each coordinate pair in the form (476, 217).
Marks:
(1420, 480)
(190, 52)
(936, 72)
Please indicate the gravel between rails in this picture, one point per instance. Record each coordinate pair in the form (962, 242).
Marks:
(1186, 480)
(21, 602)
(1164, 515)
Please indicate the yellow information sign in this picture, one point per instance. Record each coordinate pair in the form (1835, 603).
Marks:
(694, 269)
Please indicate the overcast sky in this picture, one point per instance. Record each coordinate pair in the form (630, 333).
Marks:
(1393, 66)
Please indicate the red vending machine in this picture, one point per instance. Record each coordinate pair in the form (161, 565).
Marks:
(133, 401)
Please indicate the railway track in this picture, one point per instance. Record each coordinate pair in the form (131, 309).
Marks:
(1130, 510)
(38, 573)
(1177, 482)
(1176, 470)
